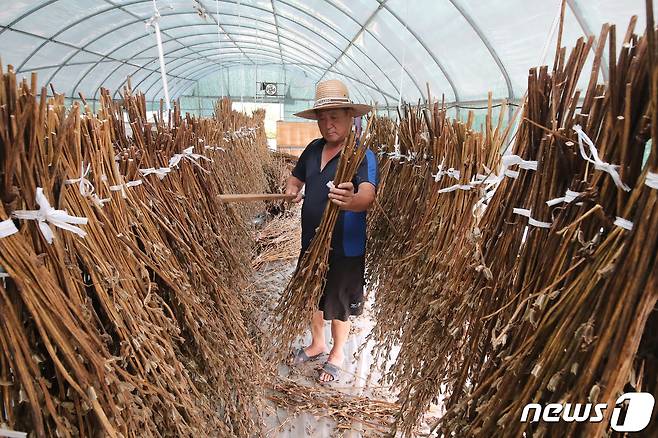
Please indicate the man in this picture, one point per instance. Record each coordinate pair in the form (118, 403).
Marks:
(343, 292)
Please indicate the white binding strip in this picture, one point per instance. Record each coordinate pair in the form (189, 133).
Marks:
(98, 202)
(86, 187)
(212, 148)
(568, 197)
(48, 215)
(456, 187)
(121, 187)
(396, 155)
(652, 180)
(240, 133)
(12, 433)
(451, 172)
(514, 174)
(513, 160)
(623, 223)
(7, 228)
(187, 153)
(161, 172)
(610, 169)
(531, 220)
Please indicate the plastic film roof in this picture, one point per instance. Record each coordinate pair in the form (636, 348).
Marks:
(383, 49)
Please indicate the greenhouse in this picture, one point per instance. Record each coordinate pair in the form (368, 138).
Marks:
(328, 218)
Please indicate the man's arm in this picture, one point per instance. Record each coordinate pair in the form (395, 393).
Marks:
(343, 196)
(294, 187)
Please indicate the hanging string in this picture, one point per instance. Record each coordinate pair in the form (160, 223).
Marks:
(256, 61)
(402, 70)
(547, 45)
(154, 22)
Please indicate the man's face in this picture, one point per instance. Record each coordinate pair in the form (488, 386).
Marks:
(335, 124)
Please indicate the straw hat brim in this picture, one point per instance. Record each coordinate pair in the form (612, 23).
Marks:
(312, 113)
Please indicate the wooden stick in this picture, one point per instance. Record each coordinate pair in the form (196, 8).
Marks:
(248, 197)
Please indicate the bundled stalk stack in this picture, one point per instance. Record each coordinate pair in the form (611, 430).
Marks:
(279, 240)
(132, 327)
(429, 195)
(545, 299)
(302, 294)
(373, 417)
(573, 336)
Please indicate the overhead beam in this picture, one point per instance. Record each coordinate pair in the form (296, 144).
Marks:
(438, 63)
(353, 40)
(471, 21)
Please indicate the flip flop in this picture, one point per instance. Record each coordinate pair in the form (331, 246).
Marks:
(332, 370)
(299, 356)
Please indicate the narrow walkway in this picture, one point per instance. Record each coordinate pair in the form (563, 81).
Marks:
(271, 279)
(354, 406)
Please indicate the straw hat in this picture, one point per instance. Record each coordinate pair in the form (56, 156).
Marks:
(332, 94)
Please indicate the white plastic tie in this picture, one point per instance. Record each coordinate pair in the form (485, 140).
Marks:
(514, 174)
(397, 155)
(48, 215)
(214, 148)
(331, 185)
(190, 155)
(86, 187)
(161, 172)
(610, 169)
(623, 223)
(98, 202)
(456, 187)
(490, 178)
(452, 173)
(652, 180)
(243, 132)
(12, 433)
(122, 187)
(531, 220)
(7, 228)
(568, 197)
(514, 160)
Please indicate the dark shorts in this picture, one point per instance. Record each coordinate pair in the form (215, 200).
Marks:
(343, 291)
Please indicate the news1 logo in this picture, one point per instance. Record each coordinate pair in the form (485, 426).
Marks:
(638, 412)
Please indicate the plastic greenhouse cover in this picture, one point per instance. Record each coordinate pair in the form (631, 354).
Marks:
(384, 49)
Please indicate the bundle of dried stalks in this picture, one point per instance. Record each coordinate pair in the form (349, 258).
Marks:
(549, 308)
(134, 330)
(279, 240)
(302, 294)
(374, 417)
(429, 197)
(571, 332)
(277, 170)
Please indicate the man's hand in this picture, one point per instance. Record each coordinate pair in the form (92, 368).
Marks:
(342, 195)
(292, 189)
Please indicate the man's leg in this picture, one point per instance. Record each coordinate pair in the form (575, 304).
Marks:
(340, 331)
(318, 342)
